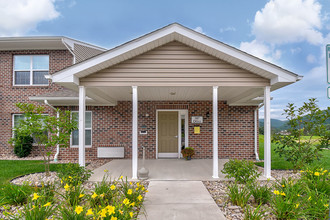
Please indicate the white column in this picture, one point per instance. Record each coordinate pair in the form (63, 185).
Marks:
(134, 132)
(82, 108)
(267, 132)
(215, 132)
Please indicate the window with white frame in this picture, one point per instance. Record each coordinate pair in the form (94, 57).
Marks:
(31, 70)
(88, 129)
(16, 121)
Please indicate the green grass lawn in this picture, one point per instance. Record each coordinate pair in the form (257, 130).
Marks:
(10, 169)
(279, 163)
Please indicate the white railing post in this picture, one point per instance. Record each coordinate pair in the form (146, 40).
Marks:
(267, 133)
(82, 108)
(134, 132)
(215, 133)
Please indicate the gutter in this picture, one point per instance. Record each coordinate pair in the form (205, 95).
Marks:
(58, 132)
(256, 131)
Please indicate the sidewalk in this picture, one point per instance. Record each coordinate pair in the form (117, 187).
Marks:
(179, 200)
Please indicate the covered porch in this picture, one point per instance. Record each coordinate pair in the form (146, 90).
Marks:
(177, 64)
(162, 169)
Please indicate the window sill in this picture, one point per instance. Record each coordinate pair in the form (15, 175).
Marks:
(76, 146)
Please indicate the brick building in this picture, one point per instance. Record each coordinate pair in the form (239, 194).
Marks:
(166, 90)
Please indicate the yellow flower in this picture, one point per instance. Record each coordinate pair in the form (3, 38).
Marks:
(301, 171)
(35, 196)
(111, 209)
(317, 174)
(70, 177)
(139, 197)
(61, 181)
(81, 195)
(325, 171)
(102, 195)
(130, 183)
(136, 188)
(66, 187)
(326, 205)
(297, 205)
(146, 191)
(113, 218)
(94, 195)
(282, 194)
(283, 185)
(78, 209)
(129, 192)
(132, 204)
(120, 177)
(138, 184)
(276, 192)
(103, 213)
(309, 198)
(142, 188)
(121, 212)
(126, 201)
(131, 214)
(298, 195)
(112, 187)
(106, 170)
(89, 212)
(47, 204)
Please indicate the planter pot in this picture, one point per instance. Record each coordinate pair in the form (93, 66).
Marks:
(188, 158)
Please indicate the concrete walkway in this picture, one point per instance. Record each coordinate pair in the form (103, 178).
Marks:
(179, 200)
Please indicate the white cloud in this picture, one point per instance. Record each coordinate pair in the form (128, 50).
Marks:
(256, 48)
(227, 29)
(311, 58)
(199, 29)
(283, 21)
(20, 16)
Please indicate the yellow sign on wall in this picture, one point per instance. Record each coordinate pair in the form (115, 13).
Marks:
(197, 130)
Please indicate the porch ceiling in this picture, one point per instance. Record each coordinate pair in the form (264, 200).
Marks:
(110, 95)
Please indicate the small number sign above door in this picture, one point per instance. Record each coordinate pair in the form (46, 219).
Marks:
(197, 119)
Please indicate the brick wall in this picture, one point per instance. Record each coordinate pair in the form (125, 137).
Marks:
(112, 127)
(9, 94)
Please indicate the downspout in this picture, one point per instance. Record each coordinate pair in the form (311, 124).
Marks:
(256, 131)
(58, 132)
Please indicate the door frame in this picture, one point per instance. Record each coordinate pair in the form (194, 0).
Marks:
(180, 112)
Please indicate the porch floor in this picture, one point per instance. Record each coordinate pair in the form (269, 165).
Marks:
(162, 169)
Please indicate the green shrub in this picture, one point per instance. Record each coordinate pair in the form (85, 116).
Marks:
(253, 214)
(73, 174)
(14, 194)
(239, 195)
(242, 170)
(261, 194)
(23, 145)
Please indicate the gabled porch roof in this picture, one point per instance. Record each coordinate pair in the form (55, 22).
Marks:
(235, 94)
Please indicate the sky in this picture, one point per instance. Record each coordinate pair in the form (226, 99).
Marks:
(290, 33)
